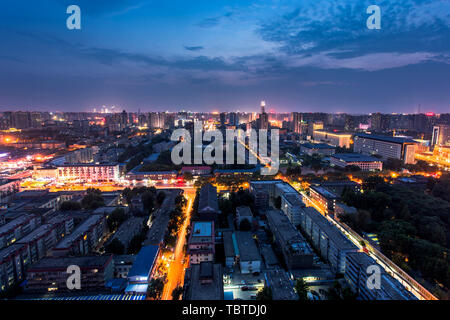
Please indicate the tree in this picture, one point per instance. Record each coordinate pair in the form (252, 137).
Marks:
(116, 218)
(393, 164)
(70, 206)
(135, 244)
(302, 289)
(115, 247)
(93, 199)
(155, 288)
(264, 294)
(372, 183)
(160, 197)
(245, 225)
(177, 292)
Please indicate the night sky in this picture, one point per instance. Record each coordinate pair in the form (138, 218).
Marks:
(303, 55)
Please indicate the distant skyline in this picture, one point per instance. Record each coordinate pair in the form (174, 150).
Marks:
(226, 55)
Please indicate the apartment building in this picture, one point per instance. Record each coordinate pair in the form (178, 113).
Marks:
(88, 172)
(385, 146)
(50, 274)
(364, 162)
(201, 242)
(296, 251)
(332, 245)
(83, 239)
(360, 267)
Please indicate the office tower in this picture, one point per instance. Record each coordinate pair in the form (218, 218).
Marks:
(297, 122)
(440, 135)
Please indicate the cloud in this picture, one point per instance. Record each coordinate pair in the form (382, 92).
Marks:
(193, 48)
(213, 21)
(407, 26)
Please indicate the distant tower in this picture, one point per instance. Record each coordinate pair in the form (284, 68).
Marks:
(263, 106)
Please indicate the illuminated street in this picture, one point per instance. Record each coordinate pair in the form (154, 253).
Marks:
(176, 268)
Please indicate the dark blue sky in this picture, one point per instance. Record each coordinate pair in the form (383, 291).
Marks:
(303, 55)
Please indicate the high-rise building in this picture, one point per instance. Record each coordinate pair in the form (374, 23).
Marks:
(263, 106)
(440, 135)
(297, 122)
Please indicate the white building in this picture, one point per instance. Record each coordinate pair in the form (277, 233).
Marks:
(387, 147)
(88, 173)
(366, 163)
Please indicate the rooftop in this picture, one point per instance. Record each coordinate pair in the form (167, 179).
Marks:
(84, 227)
(37, 233)
(354, 157)
(324, 192)
(244, 211)
(61, 263)
(329, 229)
(202, 229)
(385, 138)
(208, 199)
(247, 247)
(144, 261)
(200, 290)
(317, 146)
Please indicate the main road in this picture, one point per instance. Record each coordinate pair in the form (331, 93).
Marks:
(175, 273)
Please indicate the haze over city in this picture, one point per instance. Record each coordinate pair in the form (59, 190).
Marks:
(225, 55)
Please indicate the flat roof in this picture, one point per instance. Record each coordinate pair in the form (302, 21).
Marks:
(6, 252)
(79, 231)
(15, 223)
(61, 263)
(37, 233)
(144, 261)
(202, 229)
(329, 229)
(323, 191)
(244, 211)
(400, 140)
(204, 291)
(247, 247)
(317, 146)
(228, 244)
(354, 157)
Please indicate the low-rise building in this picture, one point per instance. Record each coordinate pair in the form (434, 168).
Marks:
(325, 199)
(88, 172)
(366, 163)
(201, 244)
(50, 274)
(332, 245)
(243, 213)
(83, 239)
(18, 228)
(296, 251)
(360, 267)
(142, 270)
(322, 149)
(203, 281)
(281, 286)
(14, 260)
(247, 252)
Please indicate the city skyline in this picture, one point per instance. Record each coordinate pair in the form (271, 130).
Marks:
(306, 56)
